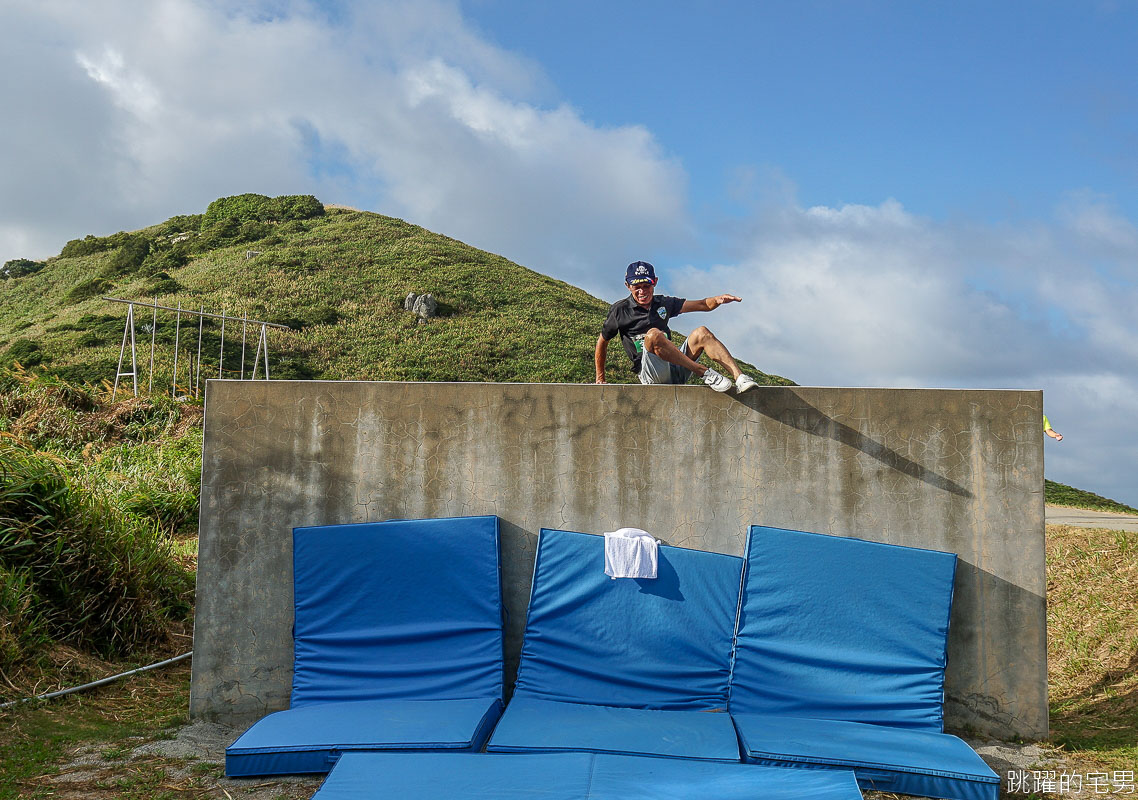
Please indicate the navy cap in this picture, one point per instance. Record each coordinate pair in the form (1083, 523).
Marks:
(639, 272)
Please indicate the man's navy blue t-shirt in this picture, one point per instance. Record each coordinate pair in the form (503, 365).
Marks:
(631, 320)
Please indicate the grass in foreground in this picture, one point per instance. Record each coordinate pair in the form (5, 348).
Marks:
(36, 740)
(1092, 623)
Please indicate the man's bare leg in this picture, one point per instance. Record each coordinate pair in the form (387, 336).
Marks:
(703, 341)
(657, 343)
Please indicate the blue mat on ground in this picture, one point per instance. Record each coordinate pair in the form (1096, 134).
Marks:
(571, 776)
(884, 759)
(591, 641)
(404, 610)
(839, 661)
(312, 738)
(545, 726)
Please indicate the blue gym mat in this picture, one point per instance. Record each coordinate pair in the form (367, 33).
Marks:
(839, 661)
(884, 759)
(546, 726)
(601, 647)
(571, 776)
(398, 644)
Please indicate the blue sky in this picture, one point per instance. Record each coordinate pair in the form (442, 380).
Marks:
(905, 194)
(988, 110)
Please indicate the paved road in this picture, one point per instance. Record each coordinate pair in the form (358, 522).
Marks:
(1091, 519)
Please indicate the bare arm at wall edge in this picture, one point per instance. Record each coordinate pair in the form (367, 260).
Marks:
(709, 303)
(600, 357)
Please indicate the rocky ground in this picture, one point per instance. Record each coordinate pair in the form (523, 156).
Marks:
(190, 763)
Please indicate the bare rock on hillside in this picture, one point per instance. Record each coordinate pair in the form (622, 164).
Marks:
(424, 306)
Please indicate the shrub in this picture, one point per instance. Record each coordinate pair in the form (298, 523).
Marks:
(165, 259)
(26, 352)
(89, 244)
(83, 247)
(161, 283)
(181, 223)
(106, 582)
(19, 267)
(297, 206)
(129, 257)
(251, 231)
(259, 208)
(93, 287)
(239, 207)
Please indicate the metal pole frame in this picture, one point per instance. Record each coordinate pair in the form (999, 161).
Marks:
(177, 342)
(198, 375)
(244, 325)
(221, 353)
(128, 330)
(153, 334)
(262, 343)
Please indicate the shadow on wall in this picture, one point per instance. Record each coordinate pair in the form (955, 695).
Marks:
(1011, 605)
(808, 419)
(519, 548)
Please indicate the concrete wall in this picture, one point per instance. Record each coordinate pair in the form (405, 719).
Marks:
(946, 469)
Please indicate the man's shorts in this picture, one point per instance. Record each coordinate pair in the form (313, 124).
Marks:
(654, 369)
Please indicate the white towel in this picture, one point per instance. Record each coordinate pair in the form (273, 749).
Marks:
(630, 553)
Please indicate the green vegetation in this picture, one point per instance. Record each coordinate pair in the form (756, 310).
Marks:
(1092, 649)
(19, 267)
(81, 571)
(34, 740)
(1059, 494)
(338, 278)
(89, 496)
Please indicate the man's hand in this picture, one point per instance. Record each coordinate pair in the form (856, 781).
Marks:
(710, 303)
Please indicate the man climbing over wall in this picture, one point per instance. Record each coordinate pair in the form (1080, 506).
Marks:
(642, 318)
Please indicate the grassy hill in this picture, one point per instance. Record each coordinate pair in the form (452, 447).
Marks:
(116, 485)
(1060, 494)
(337, 277)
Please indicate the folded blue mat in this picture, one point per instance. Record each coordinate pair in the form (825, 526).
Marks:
(884, 759)
(663, 643)
(406, 609)
(838, 628)
(571, 776)
(545, 726)
(839, 662)
(312, 738)
(597, 651)
(398, 644)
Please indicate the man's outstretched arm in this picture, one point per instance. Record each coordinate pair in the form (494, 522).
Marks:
(600, 357)
(709, 303)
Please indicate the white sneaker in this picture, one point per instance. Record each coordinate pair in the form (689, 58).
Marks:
(719, 383)
(744, 383)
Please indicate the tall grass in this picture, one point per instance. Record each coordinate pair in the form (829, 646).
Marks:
(1092, 626)
(96, 578)
(89, 493)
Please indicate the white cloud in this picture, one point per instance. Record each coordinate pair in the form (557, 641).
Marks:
(397, 106)
(874, 295)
